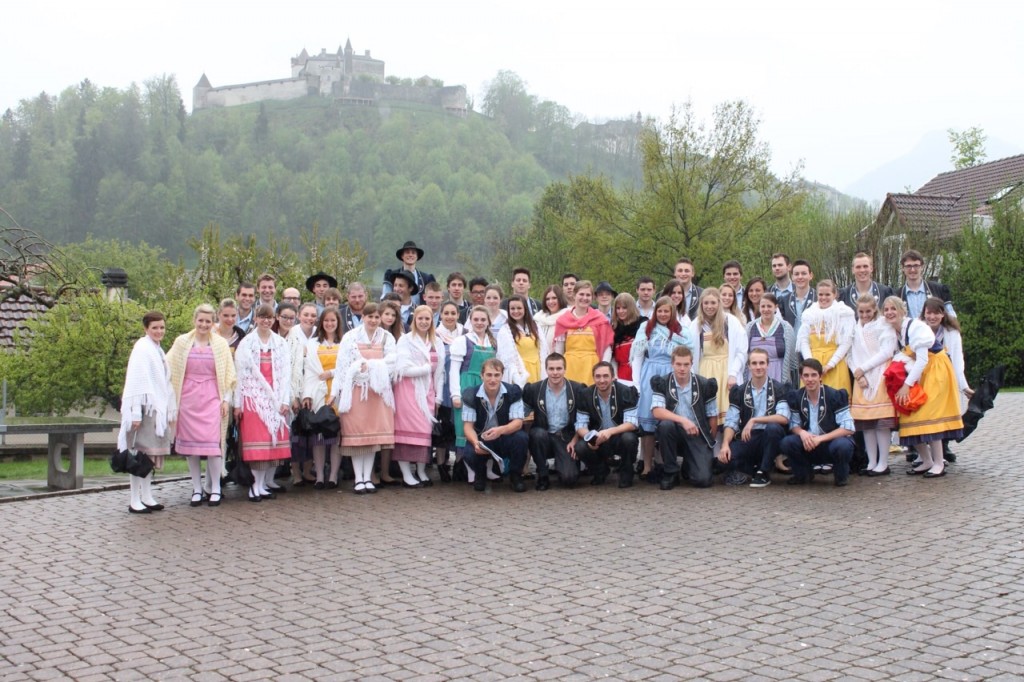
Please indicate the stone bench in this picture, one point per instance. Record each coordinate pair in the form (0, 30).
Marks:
(63, 434)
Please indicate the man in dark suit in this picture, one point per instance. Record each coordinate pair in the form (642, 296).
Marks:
(916, 289)
(683, 271)
(863, 269)
(555, 406)
(686, 408)
(611, 430)
(492, 414)
(756, 422)
(521, 286)
(820, 428)
(793, 304)
(410, 255)
(352, 311)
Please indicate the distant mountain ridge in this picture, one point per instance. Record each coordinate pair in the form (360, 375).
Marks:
(928, 158)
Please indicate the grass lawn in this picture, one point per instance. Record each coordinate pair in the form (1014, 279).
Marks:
(35, 469)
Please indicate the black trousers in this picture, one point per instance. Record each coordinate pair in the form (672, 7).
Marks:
(622, 444)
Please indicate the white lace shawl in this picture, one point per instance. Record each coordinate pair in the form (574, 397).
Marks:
(413, 363)
(253, 392)
(834, 323)
(874, 344)
(147, 390)
(349, 375)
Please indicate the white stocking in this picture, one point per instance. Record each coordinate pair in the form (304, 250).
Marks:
(407, 473)
(882, 436)
(214, 467)
(135, 485)
(196, 472)
(421, 471)
(145, 491)
(871, 447)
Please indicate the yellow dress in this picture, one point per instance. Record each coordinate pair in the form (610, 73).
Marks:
(822, 351)
(580, 355)
(328, 356)
(529, 351)
(940, 416)
(714, 363)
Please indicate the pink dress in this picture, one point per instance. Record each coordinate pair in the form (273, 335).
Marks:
(370, 424)
(257, 445)
(198, 432)
(412, 428)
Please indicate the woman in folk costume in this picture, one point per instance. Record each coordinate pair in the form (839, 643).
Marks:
(676, 291)
(317, 383)
(298, 340)
(227, 315)
(390, 321)
(729, 304)
(826, 334)
(263, 402)
(583, 335)
(552, 306)
(203, 378)
(366, 402)
(448, 329)
(651, 356)
(775, 336)
(626, 326)
(530, 346)
(927, 363)
(720, 345)
(148, 409)
(752, 294)
(874, 344)
(947, 332)
(419, 383)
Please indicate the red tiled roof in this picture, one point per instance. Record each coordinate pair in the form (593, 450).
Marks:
(944, 204)
(13, 315)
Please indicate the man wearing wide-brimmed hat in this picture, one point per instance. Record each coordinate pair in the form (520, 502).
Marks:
(409, 254)
(318, 285)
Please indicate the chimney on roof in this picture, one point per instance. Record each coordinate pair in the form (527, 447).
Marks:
(116, 282)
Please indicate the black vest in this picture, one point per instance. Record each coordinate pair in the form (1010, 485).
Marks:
(830, 401)
(622, 398)
(702, 389)
(512, 395)
(535, 398)
(742, 397)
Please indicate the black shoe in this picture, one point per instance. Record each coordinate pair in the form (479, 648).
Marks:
(278, 489)
(874, 473)
(417, 484)
(598, 479)
(760, 480)
(543, 483)
(668, 482)
(212, 502)
(197, 499)
(797, 480)
(153, 507)
(144, 510)
(626, 480)
(949, 457)
(444, 472)
(319, 485)
(254, 498)
(331, 485)
(842, 482)
(480, 484)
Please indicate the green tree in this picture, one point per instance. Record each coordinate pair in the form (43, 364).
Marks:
(985, 277)
(968, 147)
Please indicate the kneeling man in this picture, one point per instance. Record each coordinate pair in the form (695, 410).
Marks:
(492, 414)
(820, 426)
(554, 405)
(686, 408)
(610, 407)
(755, 423)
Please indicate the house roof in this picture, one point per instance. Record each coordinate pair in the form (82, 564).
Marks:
(944, 204)
(14, 312)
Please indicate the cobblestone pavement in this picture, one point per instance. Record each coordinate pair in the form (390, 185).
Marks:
(895, 578)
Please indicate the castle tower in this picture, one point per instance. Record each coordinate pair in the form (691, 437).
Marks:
(199, 93)
(349, 69)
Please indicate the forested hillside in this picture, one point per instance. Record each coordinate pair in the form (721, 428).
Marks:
(132, 164)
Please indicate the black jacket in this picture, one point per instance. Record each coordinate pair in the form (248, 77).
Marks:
(702, 389)
(622, 398)
(535, 398)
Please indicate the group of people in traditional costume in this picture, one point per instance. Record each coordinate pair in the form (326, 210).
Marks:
(737, 380)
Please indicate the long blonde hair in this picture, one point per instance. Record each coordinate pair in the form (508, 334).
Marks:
(718, 334)
(429, 336)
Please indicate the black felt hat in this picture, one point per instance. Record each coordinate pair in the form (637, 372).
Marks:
(409, 245)
(313, 279)
(392, 275)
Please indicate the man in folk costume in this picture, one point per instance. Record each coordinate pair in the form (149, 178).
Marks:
(492, 415)
(557, 421)
(410, 255)
(756, 422)
(610, 407)
(820, 426)
(318, 285)
(686, 407)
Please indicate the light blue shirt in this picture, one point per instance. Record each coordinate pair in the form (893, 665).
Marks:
(760, 396)
(843, 419)
(558, 410)
(684, 408)
(516, 411)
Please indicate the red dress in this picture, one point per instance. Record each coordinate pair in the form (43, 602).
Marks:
(257, 445)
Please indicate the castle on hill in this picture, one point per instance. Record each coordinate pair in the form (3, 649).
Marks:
(344, 76)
